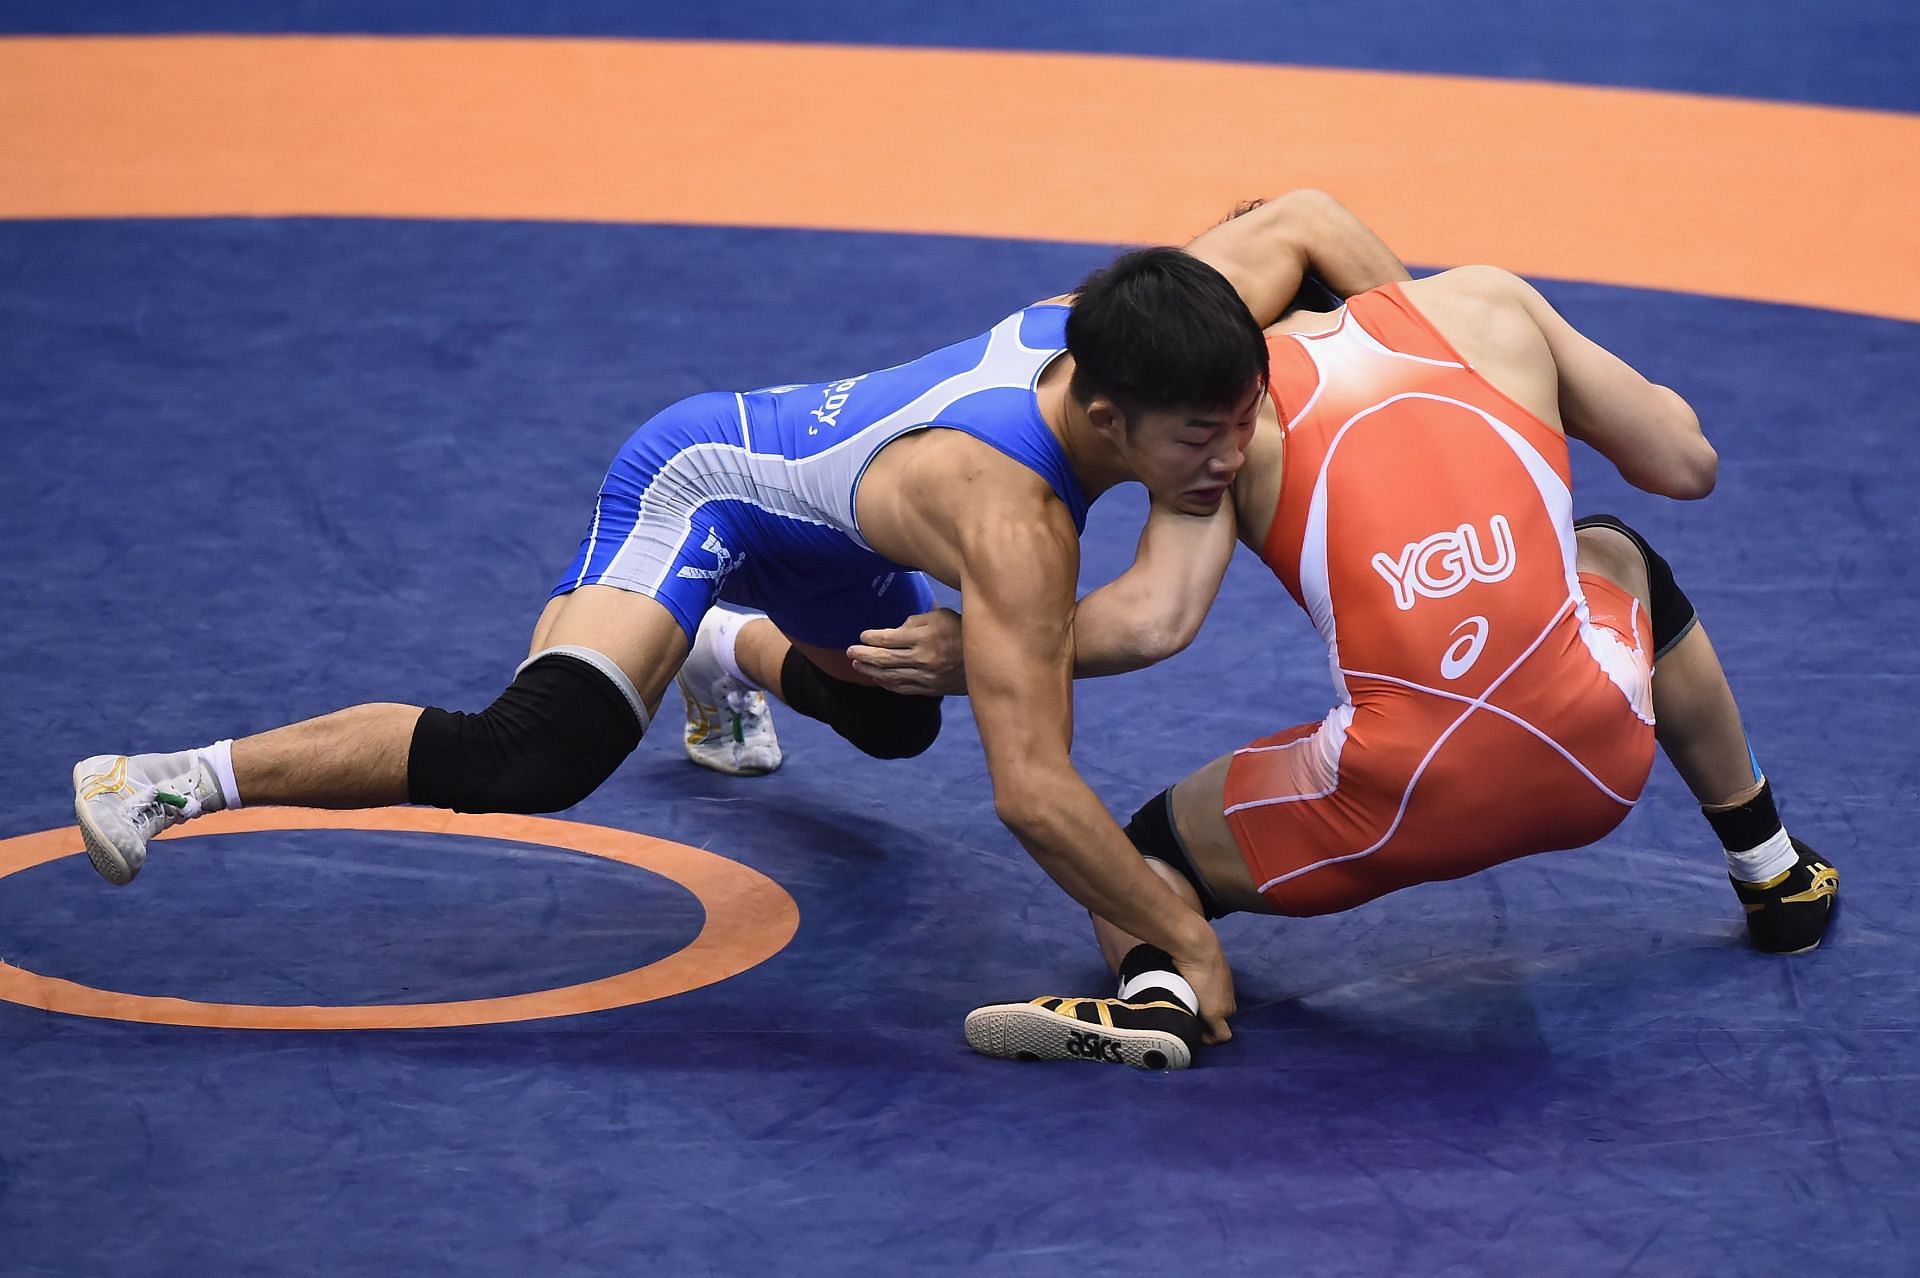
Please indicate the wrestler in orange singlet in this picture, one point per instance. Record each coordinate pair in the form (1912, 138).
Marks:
(1425, 523)
(1492, 659)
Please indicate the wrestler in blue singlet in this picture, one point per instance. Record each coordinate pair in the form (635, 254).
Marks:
(750, 497)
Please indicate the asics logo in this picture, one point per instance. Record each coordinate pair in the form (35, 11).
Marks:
(1093, 1047)
(1447, 562)
(728, 561)
(112, 781)
(1464, 651)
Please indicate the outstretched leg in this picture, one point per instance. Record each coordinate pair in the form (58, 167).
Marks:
(574, 711)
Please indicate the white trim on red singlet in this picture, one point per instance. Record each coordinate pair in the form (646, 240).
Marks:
(1406, 795)
(1447, 695)
(1330, 738)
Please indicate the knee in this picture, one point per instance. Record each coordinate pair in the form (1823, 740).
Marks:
(560, 729)
(1669, 610)
(896, 726)
(882, 724)
(1604, 549)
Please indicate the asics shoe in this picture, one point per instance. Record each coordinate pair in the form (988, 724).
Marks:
(1789, 913)
(122, 801)
(1156, 1034)
(729, 724)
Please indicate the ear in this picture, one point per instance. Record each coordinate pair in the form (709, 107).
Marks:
(1106, 418)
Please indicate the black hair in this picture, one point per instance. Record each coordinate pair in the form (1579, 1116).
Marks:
(1158, 328)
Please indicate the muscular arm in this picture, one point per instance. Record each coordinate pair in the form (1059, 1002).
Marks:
(1154, 609)
(1268, 251)
(1019, 558)
(1650, 434)
(1145, 615)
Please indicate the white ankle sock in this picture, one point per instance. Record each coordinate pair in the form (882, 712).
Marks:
(1757, 865)
(1172, 982)
(726, 634)
(219, 760)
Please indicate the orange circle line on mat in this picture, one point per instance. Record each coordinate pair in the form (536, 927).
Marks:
(1769, 201)
(750, 918)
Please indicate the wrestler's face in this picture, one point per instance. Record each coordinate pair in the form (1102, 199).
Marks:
(1187, 459)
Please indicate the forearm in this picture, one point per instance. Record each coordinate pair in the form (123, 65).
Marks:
(1269, 249)
(1342, 251)
(1071, 835)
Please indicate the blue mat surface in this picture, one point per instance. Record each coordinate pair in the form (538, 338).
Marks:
(257, 470)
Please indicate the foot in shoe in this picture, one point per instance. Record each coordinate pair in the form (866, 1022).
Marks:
(729, 723)
(122, 801)
(1789, 913)
(1145, 1035)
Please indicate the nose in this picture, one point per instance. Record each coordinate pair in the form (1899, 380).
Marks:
(1226, 465)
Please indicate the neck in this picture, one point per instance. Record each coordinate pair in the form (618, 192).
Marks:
(1094, 462)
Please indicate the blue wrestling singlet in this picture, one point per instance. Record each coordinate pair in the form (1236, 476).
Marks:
(750, 497)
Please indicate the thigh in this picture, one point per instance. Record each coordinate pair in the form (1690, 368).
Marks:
(1200, 804)
(638, 633)
(655, 531)
(1295, 802)
(827, 618)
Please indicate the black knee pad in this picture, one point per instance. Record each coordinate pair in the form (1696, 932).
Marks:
(885, 725)
(547, 742)
(1153, 833)
(1668, 607)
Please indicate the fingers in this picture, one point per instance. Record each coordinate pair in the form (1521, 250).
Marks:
(1214, 1031)
(907, 679)
(861, 654)
(886, 676)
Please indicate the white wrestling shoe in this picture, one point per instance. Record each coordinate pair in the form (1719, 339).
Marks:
(121, 802)
(729, 723)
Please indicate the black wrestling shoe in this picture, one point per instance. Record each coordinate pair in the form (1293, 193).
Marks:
(1788, 914)
(1157, 1034)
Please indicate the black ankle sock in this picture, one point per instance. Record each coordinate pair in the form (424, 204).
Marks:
(1749, 825)
(1150, 961)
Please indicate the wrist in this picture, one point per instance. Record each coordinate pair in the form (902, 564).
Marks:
(1190, 936)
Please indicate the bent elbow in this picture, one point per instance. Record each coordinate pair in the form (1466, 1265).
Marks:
(1019, 807)
(1694, 474)
(1297, 213)
(1697, 467)
(1705, 473)
(1169, 640)
(1308, 197)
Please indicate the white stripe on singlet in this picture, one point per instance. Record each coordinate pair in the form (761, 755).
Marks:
(1446, 695)
(690, 479)
(1330, 738)
(593, 540)
(820, 488)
